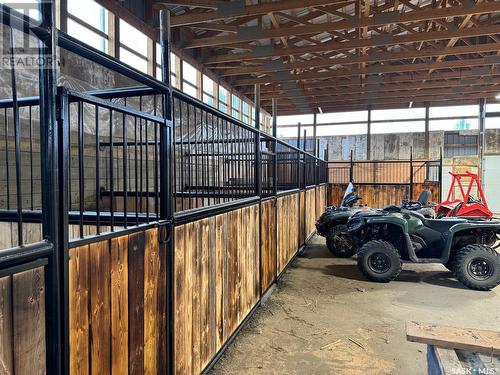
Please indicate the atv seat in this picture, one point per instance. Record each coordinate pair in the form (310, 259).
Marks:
(442, 225)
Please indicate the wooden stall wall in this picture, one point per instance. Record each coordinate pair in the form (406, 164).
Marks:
(321, 192)
(268, 256)
(117, 300)
(310, 213)
(287, 209)
(379, 196)
(22, 323)
(216, 283)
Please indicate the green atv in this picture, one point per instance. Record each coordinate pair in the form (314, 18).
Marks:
(465, 246)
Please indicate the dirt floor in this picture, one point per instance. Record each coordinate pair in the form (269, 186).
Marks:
(325, 318)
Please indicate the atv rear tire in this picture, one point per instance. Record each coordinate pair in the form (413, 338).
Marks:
(477, 267)
(339, 242)
(379, 261)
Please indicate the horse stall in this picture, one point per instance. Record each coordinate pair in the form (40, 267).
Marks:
(140, 227)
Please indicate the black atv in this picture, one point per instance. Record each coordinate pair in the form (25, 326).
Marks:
(383, 240)
(333, 222)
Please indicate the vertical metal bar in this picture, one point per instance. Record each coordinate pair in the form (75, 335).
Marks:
(351, 168)
(182, 153)
(31, 157)
(481, 138)
(369, 134)
(54, 230)
(111, 174)
(136, 174)
(189, 162)
(17, 141)
(258, 166)
(224, 158)
(167, 195)
(167, 135)
(97, 171)
(6, 130)
(411, 173)
(81, 174)
(427, 134)
(125, 170)
(147, 168)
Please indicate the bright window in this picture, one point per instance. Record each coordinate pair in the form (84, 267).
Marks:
(88, 22)
(294, 120)
(189, 79)
(208, 90)
(398, 114)
(336, 117)
(246, 113)
(223, 99)
(454, 124)
(454, 111)
(133, 47)
(235, 106)
(398, 127)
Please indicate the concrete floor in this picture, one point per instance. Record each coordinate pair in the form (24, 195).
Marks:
(325, 318)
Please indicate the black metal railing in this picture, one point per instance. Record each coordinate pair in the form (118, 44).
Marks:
(386, 172)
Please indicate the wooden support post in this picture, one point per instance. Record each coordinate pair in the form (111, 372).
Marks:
(481, 138)
(315, 136)
(427, 134)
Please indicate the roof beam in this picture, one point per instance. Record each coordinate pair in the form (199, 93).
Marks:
(236, 9)
(280, 77)
(248, 34)
(209, 4)
(277, 66)
(375, 88)
(382, 40)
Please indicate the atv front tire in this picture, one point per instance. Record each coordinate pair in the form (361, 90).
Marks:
(477, 267)
(379, 261)
(339, 242)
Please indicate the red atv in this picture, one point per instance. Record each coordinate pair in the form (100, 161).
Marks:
(468, 206)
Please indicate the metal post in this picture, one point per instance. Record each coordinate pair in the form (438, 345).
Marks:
(304, 162)
(351, 167)
(167, 181)
(426, 134)
(257, 167)
(56, 352)
(411, 173)
(369, 134)
(275, 146)
(481, 138)
(166, 136)
(298, 156)
(440, 174)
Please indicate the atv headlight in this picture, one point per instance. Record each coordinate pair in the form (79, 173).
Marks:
(354, 225)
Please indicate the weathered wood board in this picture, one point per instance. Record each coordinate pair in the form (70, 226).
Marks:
(216, 283)
(475, 340)
(22, 323)
(268, 255)
(115, 317)
(287, 210)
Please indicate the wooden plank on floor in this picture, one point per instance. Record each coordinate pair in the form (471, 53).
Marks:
(6, 344)
(79, 310)
(481, 341)
(448, 361)
(119, 305)
(100, 307)
(28, 295)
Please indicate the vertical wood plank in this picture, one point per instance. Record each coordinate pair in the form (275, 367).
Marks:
(189, 253)
(119, 305)
(179, 300)
(212, 318)
(151, 275)
(28, 295)
(204, 242)
(6, 329)
(196, 286)
(161, 326)
(100, 311)
(79, 310)
(136, 245)
(220, 246)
